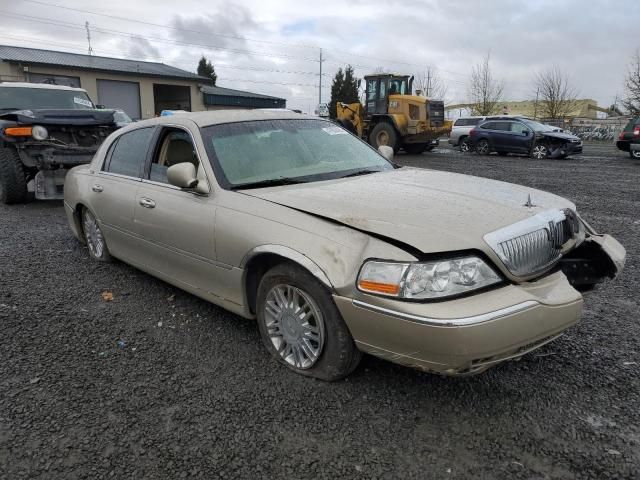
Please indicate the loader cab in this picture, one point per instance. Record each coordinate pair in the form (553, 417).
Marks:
(379, 87)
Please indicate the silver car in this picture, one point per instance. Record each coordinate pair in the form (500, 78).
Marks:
(335, 250)
(460, 131)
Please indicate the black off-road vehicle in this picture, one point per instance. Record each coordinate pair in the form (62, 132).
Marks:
(44, 131)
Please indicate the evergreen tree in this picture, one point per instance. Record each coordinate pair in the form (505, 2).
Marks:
(336, 92)
(344, 88)
(205, 69)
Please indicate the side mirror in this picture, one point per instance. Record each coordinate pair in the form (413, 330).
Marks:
(386, 151)
(182, 175)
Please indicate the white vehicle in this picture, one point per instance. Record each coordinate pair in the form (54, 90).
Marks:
(323, 110)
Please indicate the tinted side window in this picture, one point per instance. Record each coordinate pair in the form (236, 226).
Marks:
(130, 152)
(489, 126)
(467, 122)
(518, 127)
(503, 126)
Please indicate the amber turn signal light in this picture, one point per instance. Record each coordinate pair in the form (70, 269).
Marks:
(18, 131)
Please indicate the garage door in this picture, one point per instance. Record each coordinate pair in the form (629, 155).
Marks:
(124, 95)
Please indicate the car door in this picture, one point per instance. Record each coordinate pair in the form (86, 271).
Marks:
(521, 137)
(176, 226)
(114, 188)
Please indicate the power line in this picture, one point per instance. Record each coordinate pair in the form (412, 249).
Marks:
(115, 17)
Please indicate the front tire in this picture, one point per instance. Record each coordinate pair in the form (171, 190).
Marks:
(635, 154)
(384, 134)
(301, 327)
(13, 181)
(464, 145)
(482, 147)
(539, 151)
(94, 237)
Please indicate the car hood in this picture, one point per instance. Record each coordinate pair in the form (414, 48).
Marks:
(430, 210)
(60, 117)
(560, 135)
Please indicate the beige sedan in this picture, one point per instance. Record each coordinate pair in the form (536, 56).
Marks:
(334, 249)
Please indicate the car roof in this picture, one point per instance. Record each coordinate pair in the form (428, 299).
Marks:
(45, 86)
(217, 117)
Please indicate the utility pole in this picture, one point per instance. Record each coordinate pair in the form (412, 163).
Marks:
(86, 25)
(535, 105)
(320, 81)
(428, 92)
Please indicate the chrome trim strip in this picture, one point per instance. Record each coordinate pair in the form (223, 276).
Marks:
(449, 322)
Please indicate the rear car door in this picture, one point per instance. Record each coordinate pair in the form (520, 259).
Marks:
(176, 226)
(114, 188)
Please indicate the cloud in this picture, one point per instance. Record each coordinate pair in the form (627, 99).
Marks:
(139, 48)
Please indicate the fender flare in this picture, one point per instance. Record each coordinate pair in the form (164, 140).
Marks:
(290, 254)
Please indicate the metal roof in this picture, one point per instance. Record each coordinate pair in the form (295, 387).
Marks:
(229, 92)
(35, 56)
(229, 97)
(40, 86)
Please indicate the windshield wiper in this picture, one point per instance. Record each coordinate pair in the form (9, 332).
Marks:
(365, 171)
(272, 182)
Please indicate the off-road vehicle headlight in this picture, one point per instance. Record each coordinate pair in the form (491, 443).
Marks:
(38, 132)
(426, 280)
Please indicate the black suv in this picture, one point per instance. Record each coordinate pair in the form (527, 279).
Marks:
(44, 131)
(629, 139)
(521, 135)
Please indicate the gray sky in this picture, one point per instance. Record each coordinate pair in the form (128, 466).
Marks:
(272, 47)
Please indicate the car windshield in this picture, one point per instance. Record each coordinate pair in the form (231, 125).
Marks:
(25, 98)
(271, 152)
(538, 127)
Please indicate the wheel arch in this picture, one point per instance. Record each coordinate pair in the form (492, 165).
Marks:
(261, 259)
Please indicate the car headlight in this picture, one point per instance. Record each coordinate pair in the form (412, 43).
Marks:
(38, 132)
(426, 280)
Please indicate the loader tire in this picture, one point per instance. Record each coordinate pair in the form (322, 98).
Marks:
(13, 182)
(384, 134)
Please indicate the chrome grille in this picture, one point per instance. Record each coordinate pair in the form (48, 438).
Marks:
(535, 244)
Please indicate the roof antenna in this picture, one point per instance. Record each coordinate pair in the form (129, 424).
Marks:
(86, 25)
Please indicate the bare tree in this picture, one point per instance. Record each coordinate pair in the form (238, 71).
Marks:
(631, 101)
(557, 96)
(431, 84)
(484, 91)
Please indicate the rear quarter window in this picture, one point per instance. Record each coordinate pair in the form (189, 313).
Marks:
(467, 122)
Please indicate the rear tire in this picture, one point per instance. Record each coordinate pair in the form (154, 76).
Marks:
(94, 237)
(301, 326)
(13, 182)
(384, 134)
(482, 147)
(416, 148)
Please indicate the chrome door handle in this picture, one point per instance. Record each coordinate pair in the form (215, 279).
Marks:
(96, 188)
(147, 203)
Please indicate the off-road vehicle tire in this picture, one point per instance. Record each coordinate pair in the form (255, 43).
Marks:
(13, 182)
(336, 354)
(384, 134)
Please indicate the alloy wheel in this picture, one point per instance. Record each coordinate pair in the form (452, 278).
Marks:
(294, 325)
(464, 146)
(635, 154)
(539, 152)
(483, 147)
(93, 234)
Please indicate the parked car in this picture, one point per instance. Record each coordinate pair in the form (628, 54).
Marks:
(629, 139)
(460, 131)
(521, 135)
(44, 131)
(335, 250)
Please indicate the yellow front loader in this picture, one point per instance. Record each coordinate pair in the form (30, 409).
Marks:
(393, 116)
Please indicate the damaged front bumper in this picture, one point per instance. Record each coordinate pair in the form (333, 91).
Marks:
(470, 334)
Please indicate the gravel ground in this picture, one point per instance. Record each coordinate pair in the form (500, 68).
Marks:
(192, 393)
